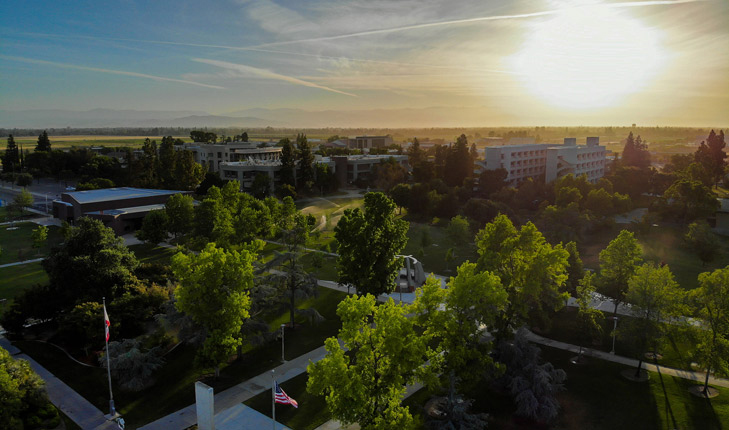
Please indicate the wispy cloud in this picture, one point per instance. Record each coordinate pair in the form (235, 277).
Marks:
(471, 21)
(267, 74)
(110, 71)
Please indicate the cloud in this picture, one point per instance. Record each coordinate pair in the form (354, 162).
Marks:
(110, 71)
(471, 21)
(267, 74)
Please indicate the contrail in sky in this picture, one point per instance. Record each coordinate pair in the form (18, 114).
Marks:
(110, 71)
(267, 74)
(473, 20)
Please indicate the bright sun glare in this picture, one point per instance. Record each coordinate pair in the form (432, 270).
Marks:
(588, 57)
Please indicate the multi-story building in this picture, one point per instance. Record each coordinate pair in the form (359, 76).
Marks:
(547, 161)
(211, 155)
(368, 142)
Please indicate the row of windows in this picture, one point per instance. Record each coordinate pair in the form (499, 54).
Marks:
(532, 162)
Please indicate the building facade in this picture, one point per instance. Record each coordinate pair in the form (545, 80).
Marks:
(547, 162)
(368, 142)
(211, 155)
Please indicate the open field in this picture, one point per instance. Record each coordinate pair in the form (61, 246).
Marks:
(62, 142)
(15, 279)
(17, 244)
(174, 388)
(433, 255)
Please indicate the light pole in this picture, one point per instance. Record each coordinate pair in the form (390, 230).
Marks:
(615, 326)
(283, 326)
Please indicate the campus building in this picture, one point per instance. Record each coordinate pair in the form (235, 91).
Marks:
(211, 155)
(346, 168)
(122, 209)
(368, 142)
(547, 161)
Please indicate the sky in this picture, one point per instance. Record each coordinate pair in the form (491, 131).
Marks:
(517, 62)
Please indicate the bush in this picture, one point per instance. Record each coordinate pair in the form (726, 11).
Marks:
(24, 179)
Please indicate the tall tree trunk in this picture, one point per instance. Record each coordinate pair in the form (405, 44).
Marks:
(706, 381)
(615, 311)
(637, 372)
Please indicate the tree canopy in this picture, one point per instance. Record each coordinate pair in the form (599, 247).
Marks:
(369, 241)
(618, 263)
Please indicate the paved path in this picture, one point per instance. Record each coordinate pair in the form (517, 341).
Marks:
(78, 409)
(18, 263)
(238, 394)
(685, 374)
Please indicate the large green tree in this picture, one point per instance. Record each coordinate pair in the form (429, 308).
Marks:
(687, 200)
(712, 156)
(154, 227)
(618, 263)
(532, 271)
(180, 214)
(307, 175)
(11, 157)
(44, 143)
(703, 241)
(369, 241)
(22, 393)
(214, 291)
(455, 319)
(659, 302)
(187, 174)
(364, 379)
(712, 300)
(588, 318)
(288, 163)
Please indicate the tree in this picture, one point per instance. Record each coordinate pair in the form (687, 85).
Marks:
(180, 214)
(454, 319)
(288, 163)
(44, 143)
(532, 384)
(712, 298)
(635, 153)
(166, 163)
(203, 136)
(306, 163)
(575, 269)
(415, 154)
(369, 241)
(367, 384)
(24, 179)
(213, 220)
(657, 300)
(688, 200)
(531, 270)
(459, 231)
(11, 158)
(618, 263)
(23, 201)
(567, 195)
(214, 291)
(388, 174)
(400, 194)
(588, 317)
(599, 202)
(131, 365)
(491, 181)
(702, 240)
(188, 174)
(458, 163)
(93, 262)
(711, 155)
(39, 236)
(295, 282)
(261, 187)
(22, 393)
(154, 227)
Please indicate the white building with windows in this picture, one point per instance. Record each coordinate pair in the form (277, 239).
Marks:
(547, 161)
(211, 155)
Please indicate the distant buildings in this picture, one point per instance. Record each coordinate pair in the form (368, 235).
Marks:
(346, 168)
(121, 209)
(211, 155)
(369, 142)
(548, 162)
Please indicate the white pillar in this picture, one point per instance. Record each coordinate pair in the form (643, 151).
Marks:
(204, 406)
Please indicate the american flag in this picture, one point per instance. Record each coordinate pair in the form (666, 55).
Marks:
(281, 397)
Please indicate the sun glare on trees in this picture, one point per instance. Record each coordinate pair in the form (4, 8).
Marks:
(587, 55)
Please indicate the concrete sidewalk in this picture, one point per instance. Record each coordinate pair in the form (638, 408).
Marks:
(234, 396)
(78, 409)
(18, 263)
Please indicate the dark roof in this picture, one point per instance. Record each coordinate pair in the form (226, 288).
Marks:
(121, 193)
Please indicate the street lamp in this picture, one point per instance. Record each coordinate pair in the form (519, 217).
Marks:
(615, 326)
(283, 360)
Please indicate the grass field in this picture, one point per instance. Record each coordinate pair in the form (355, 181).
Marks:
(147, 253)
(433, 255)
(62, 142)
(17, 244)
(598, 398)
(174, 388)
(15, 279)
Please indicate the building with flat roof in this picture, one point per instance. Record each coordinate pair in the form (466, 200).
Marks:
(547, 161)
(211, 155)
(122, 209)
(368, 142)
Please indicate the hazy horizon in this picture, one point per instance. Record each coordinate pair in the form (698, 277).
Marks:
(468, 64)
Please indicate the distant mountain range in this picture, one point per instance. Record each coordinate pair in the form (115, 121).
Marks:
(252, 117)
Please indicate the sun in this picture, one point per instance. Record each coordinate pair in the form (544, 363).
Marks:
(588, 57)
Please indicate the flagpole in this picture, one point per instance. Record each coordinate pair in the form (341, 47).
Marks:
(112, 411)
(273, 398)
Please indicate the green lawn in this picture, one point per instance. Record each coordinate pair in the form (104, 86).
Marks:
(433, 256)
(17, 244)
(147, 253)
(311, 413)
(677, 349)
(598, 398)
(61, 142)
(4, 214)
(174, 388)
(15, 279)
